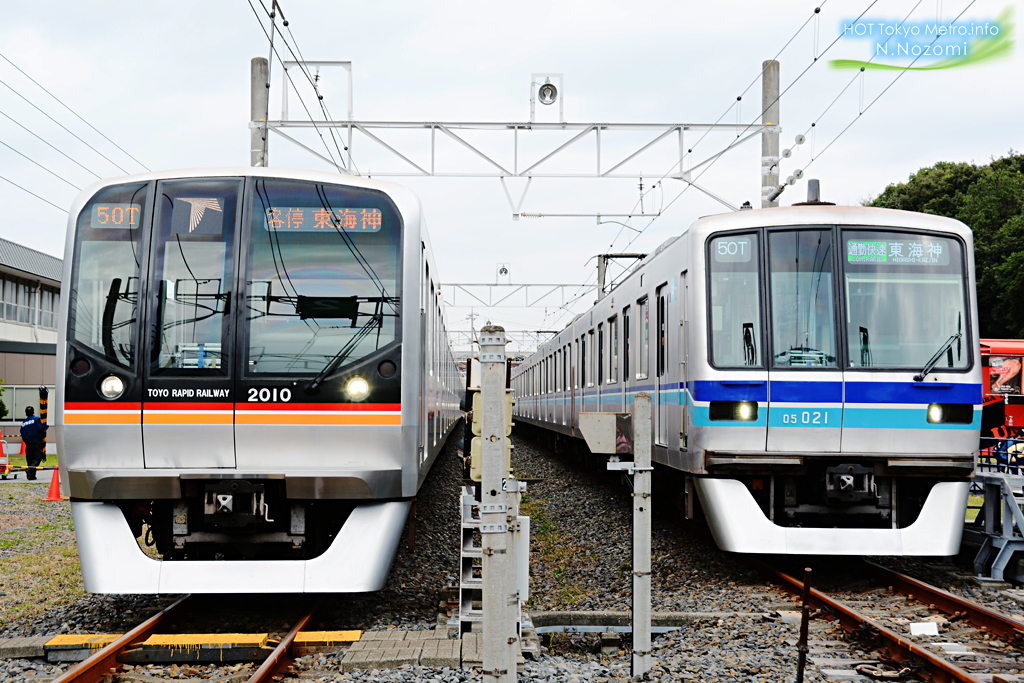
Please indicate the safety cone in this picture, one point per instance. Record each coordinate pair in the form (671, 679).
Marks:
(54, 495)
(22, 451)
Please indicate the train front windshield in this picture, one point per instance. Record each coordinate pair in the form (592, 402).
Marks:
(323, 277)
(905, 297)
(903, 294)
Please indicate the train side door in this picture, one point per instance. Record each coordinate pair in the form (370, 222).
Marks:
(661, 383)
(805, 400)
(683, 293)
(189, 360)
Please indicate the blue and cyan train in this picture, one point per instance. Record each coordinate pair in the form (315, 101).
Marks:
(814, 372)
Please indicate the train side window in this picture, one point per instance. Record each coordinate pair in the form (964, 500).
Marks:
(583, 361)
(613, 350)
(662, 321)
(590, 368)
(625, 343)
(734, 308)
(600, 353)
(643, 324)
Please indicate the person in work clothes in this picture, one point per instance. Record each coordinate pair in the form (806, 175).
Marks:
(33, 433)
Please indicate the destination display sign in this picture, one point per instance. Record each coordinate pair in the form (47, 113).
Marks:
(317, 218)
(909, 252)
(732, 249)
(118, 216)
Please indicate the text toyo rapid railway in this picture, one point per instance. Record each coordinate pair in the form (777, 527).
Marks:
(814, 371)
(256, 376)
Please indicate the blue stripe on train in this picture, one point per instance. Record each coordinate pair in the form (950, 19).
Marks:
(832, 392)
(912, 392)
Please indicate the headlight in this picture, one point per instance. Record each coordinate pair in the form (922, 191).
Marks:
(112, 387)
(950, 413)
(357, 388)
(733, 411)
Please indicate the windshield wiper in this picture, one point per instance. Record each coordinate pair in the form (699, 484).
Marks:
(346, 351)
(947, 346)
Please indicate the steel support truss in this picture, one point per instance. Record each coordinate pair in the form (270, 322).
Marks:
(516, 163)
(502, 295)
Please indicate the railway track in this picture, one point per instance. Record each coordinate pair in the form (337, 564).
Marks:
(106, 661)
(977, 644)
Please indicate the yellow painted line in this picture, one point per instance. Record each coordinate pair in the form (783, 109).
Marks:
(326, 637)
(101, 419)
(93, 641)
(193, 640)
(322, 419)
(186, 419)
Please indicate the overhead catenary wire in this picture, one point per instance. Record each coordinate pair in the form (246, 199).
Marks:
(65, 128)
(885, 90)
(859, 74)
(48, 144)
(31, 160)
(730, 146)
(309, 115)
(76, 114)
(316, 89)
(735, 103)
(24, 189)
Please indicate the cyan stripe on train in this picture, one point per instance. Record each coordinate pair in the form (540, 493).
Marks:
(818, 416)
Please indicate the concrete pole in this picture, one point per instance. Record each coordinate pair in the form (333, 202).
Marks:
(642, 439)
(498, 591)
(259, 110)
(769, 141)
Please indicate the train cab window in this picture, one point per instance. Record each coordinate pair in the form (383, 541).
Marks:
(613, 350)
(802, 296)
(102, 308)
(193, 273)
(322, 287)
(906, 297)
(734, 302)
(643, 324)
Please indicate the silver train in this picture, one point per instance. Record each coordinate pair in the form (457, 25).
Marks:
(256, 379)
(814, 373)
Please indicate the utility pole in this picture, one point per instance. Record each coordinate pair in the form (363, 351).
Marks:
(499, 589)
(259, 108)
(769, 140)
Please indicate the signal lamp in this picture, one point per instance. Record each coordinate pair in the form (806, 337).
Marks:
(547, 94)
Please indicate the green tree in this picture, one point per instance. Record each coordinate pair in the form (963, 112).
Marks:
(990, 200)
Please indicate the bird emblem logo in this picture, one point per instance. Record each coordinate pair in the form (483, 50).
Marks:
(199, 207)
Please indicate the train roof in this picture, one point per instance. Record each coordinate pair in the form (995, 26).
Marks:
(825, 214)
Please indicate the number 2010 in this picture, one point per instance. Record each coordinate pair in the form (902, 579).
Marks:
(265, 395)
(807, 417)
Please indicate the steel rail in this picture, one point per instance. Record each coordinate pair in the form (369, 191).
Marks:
(899, 649)
(947, 602)
(280, 659)
(104, 661)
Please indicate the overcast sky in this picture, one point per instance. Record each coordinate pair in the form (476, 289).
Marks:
(169, 82)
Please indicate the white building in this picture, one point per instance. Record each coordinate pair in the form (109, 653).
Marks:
(29, 301)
